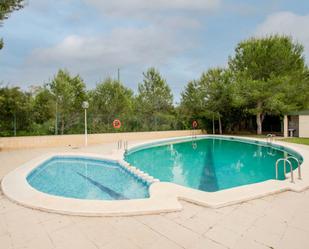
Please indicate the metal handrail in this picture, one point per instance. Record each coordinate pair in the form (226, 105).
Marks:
(119, 144)
(298, 165)
(269, 138)
(125, 145)
(291, 168)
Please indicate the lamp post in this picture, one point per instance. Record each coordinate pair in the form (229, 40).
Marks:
(85, 105)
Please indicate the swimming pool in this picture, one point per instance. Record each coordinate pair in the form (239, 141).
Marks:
(213, 171)
(211, 164)
(86, 178)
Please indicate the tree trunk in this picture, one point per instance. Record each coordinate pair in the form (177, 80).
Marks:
(220, 125)
(62, 126)
(259, 120)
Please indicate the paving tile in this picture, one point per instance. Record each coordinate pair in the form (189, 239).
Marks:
(57, 222)
(248, 243)
(70, 237)
(237, 221)
(222, 235)
(267, 231)
(203, 221)
(120, 243)
(171, 230)
(203, 243)
(8, 206)
(188, 211)
(6, 242)
(137, 232)
(300, 220)
(294, 238)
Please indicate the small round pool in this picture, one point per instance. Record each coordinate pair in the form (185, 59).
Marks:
(212, 163)
(86, 178)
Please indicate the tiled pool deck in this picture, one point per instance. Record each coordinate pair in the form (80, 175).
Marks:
(277, 221)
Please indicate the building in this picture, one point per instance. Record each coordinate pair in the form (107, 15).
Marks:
(296, 124)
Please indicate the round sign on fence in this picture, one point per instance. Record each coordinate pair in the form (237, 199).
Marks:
(116, 123)
(194, 124)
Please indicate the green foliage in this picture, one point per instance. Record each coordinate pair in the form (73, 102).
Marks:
(69, 93)
(154, 101)
(109, 100)
(6, 8)
(269, 73)
(15, 110)
(265, 77)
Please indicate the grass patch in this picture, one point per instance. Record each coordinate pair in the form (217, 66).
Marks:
(296, 140)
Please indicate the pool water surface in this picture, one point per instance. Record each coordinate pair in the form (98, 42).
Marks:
(210, 164)
(86, 178)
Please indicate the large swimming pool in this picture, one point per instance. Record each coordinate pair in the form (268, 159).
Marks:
(86, 178)
(210, 164)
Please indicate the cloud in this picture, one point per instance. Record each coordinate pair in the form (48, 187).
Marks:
(287, 23)
(130, 48)
(140, 7)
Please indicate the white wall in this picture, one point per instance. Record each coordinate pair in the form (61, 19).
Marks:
(304, 126)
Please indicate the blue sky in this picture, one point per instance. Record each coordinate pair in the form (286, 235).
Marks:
(181, 38)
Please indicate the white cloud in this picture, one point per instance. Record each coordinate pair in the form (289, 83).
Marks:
(287, 23)
(140, 7)
(128, 48)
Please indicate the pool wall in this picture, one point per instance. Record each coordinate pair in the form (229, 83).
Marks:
(164, 197)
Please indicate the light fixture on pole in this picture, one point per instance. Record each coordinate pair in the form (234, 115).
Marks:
(85, 105)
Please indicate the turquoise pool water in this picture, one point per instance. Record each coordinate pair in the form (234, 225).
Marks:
(86, 178)
(210, 164)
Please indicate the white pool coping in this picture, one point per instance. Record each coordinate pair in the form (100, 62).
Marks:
(164, 196)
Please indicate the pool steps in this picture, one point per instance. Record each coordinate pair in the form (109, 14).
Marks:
(145, 177)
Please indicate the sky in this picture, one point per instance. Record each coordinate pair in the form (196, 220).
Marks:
(181, 38)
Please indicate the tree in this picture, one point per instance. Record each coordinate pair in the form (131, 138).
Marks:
(268, 72)
(154, 100)
(69, 93)
(109, 100)
(209, 97)
(14, 110)
(6, 8)
(216, 91)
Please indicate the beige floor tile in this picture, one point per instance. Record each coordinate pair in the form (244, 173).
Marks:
(222, 235)
(57, 222)
(120, 243)
(70, 237)
(300, 220)
(171, 230)
(295, 239)
(238, 221)
(6, 242)
(137, 232)
(99, 231)
(248, 243)
(203, 243)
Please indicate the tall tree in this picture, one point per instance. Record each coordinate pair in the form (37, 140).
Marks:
(109, 100)
(69, 93)
(14, 110)
(6, 8)
(216, 91)
(154, 100)
(268, 72)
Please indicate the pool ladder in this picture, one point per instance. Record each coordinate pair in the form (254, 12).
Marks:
(270, 138)
(285, 161)
(124, 143)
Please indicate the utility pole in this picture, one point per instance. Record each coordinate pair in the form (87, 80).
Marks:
(56, 120)
(118, 74)
(14, 124)
(213, 124)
